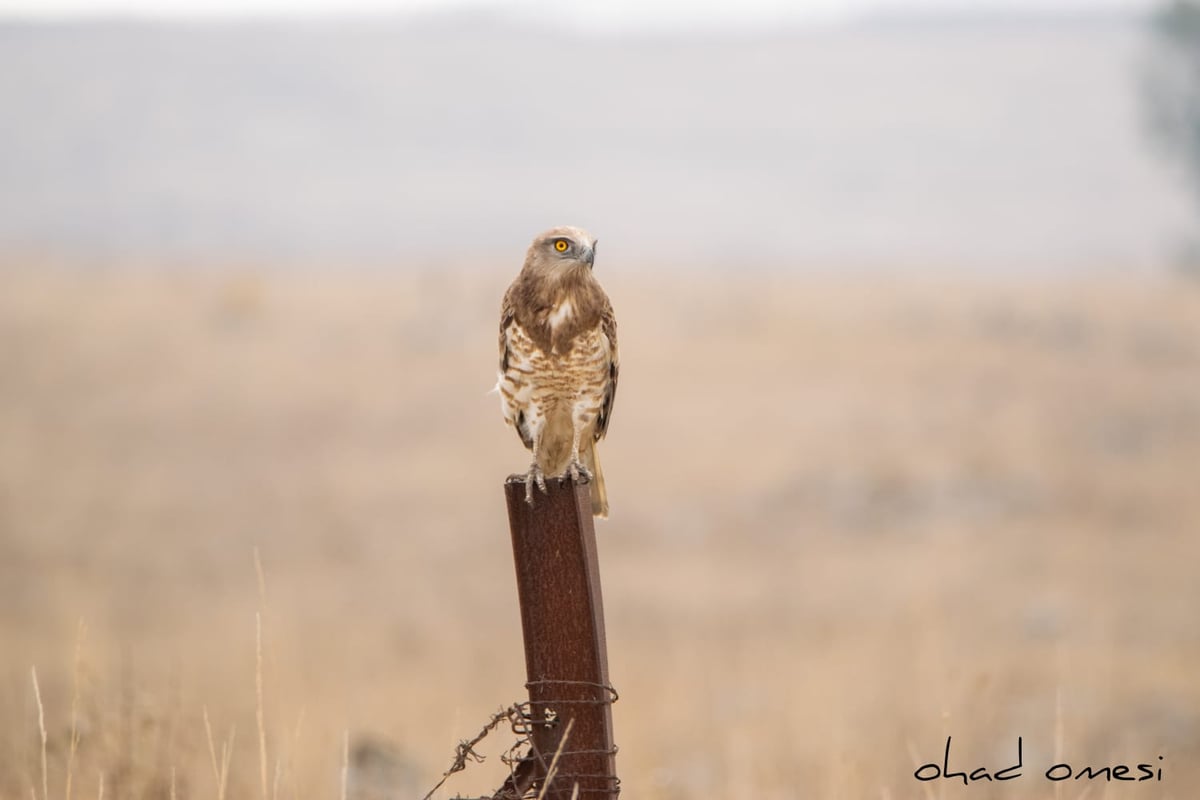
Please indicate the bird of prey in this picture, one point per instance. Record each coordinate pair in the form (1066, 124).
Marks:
(558, 360)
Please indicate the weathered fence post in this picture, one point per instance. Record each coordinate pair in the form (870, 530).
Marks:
(566, 656)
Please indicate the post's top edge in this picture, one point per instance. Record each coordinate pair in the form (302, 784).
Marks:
(561, 481)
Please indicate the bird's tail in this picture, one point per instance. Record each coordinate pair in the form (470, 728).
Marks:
(599, 495)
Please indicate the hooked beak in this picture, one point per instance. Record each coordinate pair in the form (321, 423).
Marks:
(589, 256)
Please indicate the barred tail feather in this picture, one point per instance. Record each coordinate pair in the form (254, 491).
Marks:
(599, 495)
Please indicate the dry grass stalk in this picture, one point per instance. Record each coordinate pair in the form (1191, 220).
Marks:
(260, 711)
(220, 769)
(212, 752)
(275, 780)
(37, 693)
(74, 746)
(221, 772)
(258, 697)
(1059, 738)
(226, 758)
(550, 773)
(345, 762)
(295, 748)
(916, 761)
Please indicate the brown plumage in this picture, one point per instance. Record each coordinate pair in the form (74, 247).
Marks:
(558, 360)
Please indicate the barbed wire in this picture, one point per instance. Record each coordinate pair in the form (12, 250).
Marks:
(523, 718)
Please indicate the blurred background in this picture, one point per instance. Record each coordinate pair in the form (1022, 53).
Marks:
(906, 445)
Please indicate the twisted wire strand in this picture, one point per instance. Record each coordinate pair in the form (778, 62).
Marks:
(523, 719)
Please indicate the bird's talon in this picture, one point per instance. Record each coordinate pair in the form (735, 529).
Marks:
(534, 476)
(577, 469)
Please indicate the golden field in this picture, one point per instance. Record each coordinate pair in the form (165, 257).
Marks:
(851, 516)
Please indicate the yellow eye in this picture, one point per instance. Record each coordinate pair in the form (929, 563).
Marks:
(561, 245)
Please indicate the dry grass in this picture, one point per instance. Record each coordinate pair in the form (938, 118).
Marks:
(849, 518)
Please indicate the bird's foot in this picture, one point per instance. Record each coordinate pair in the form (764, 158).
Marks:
(534, 475)
(577, 469)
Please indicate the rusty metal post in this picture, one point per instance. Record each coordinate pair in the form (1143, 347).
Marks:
(566, 656)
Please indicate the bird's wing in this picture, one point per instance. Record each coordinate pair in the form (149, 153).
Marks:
(511, 373)
(608, 326)
(507, 315)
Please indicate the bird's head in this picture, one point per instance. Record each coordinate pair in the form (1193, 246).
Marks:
(562, 249)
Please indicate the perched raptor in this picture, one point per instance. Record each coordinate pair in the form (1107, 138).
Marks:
(558, 360)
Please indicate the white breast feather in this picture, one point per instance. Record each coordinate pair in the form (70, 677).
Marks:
(560, 314)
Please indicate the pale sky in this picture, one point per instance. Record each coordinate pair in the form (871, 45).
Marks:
(603, 13)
